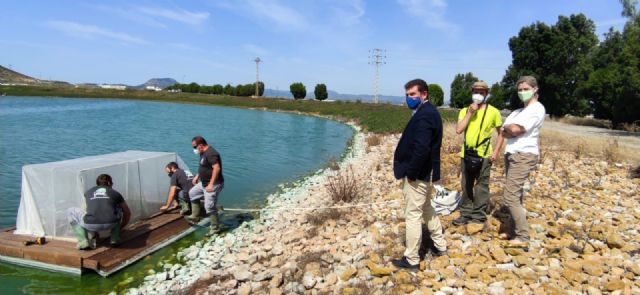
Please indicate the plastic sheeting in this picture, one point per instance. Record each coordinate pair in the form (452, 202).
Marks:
(49, 189)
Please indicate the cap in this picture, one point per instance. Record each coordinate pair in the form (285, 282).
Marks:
(480, 84)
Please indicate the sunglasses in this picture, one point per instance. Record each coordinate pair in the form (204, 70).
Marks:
(194, 146)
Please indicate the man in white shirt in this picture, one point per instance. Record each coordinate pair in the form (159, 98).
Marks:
(522, 131)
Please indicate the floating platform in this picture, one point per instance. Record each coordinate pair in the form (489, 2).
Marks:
(137, 241)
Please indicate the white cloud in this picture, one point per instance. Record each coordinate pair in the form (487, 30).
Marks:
(91, 31)
(271, 11)
(178, 14)
(349, 12)
(131, 14)
(431, 12)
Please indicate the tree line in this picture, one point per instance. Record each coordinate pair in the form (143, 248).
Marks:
(577, 74)
(238, 90)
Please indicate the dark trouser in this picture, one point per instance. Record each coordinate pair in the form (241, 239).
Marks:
(475, 192)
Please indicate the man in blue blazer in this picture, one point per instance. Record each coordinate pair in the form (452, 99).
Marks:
(416, 162)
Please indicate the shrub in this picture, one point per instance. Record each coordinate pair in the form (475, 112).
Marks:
(344, 187)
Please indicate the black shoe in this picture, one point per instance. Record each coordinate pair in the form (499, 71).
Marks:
(462, 220)
(403, 263)
(437, 253)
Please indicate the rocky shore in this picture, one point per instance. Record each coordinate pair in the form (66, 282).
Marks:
(583, 214)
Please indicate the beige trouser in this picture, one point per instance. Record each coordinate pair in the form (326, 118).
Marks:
(418, 208)
(517, 169)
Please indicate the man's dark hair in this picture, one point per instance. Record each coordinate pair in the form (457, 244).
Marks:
(104, 179)
(173, 165)
(199, 140)
(422, 85)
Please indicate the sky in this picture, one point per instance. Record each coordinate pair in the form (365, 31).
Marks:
(308, 41)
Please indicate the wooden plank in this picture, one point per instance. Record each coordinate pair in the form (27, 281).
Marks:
(137, 238)
(113, 258)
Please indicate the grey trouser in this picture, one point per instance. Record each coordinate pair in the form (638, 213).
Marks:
(475, 192)
(210, 198)
(417, 195)
(517, 169)
(76, 216)
(182, 195)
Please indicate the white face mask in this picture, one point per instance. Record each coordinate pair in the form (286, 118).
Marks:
(196, 151)
(477, 98)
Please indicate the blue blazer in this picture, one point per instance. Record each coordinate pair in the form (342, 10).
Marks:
(417, 155)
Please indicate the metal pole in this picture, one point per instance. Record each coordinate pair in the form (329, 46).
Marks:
(378, 57)
(257, 61)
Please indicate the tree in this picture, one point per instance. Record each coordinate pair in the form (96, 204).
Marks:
(436, 95)
(321, 92)
(298, 90)
(260, 88)
(558, 56)
(614, 84)
(217, 89)
(229, 90)
(461, 90)
(498, 95)
(193, 87)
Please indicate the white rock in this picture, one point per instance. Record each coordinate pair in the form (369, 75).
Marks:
(496, 290)
(242, 273)
(308, 281)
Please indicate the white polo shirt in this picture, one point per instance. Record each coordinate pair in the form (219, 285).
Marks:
(531, 119)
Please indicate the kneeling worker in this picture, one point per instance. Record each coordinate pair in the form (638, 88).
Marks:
(106, 210)
(180, 186)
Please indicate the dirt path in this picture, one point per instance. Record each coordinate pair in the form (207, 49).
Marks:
(627, 139)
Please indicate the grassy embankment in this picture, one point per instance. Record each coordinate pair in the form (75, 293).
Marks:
(376, 118)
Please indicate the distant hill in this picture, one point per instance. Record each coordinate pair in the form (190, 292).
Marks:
(8, 76)
(157, 82)
(333, 95)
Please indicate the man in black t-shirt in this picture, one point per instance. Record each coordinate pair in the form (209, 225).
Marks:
(207, 184)
(106, 210)
(180, 186)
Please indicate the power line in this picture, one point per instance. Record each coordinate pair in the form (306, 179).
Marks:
(377, 58)
(257, 61)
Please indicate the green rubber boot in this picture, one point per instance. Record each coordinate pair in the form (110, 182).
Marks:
(185, 207)
(195, 213)
(115, 236)
(81, 234)
(214, 227)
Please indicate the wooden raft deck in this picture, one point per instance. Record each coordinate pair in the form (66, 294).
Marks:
(137, 240)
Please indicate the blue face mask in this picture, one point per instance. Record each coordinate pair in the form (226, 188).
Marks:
(413, 102)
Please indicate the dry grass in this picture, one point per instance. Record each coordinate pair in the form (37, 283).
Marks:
(345, 187)
(631, 127)
(603, 148)
(582, 121)
(319, 217)
(373, 140)
(333, 164)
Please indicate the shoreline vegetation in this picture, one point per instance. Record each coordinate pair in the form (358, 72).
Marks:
(376, 118)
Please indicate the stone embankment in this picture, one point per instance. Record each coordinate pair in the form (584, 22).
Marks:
(583, 214)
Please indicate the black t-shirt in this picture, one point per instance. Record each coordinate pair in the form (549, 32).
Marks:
(180, 180)
(102, 203)
(207, 159)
